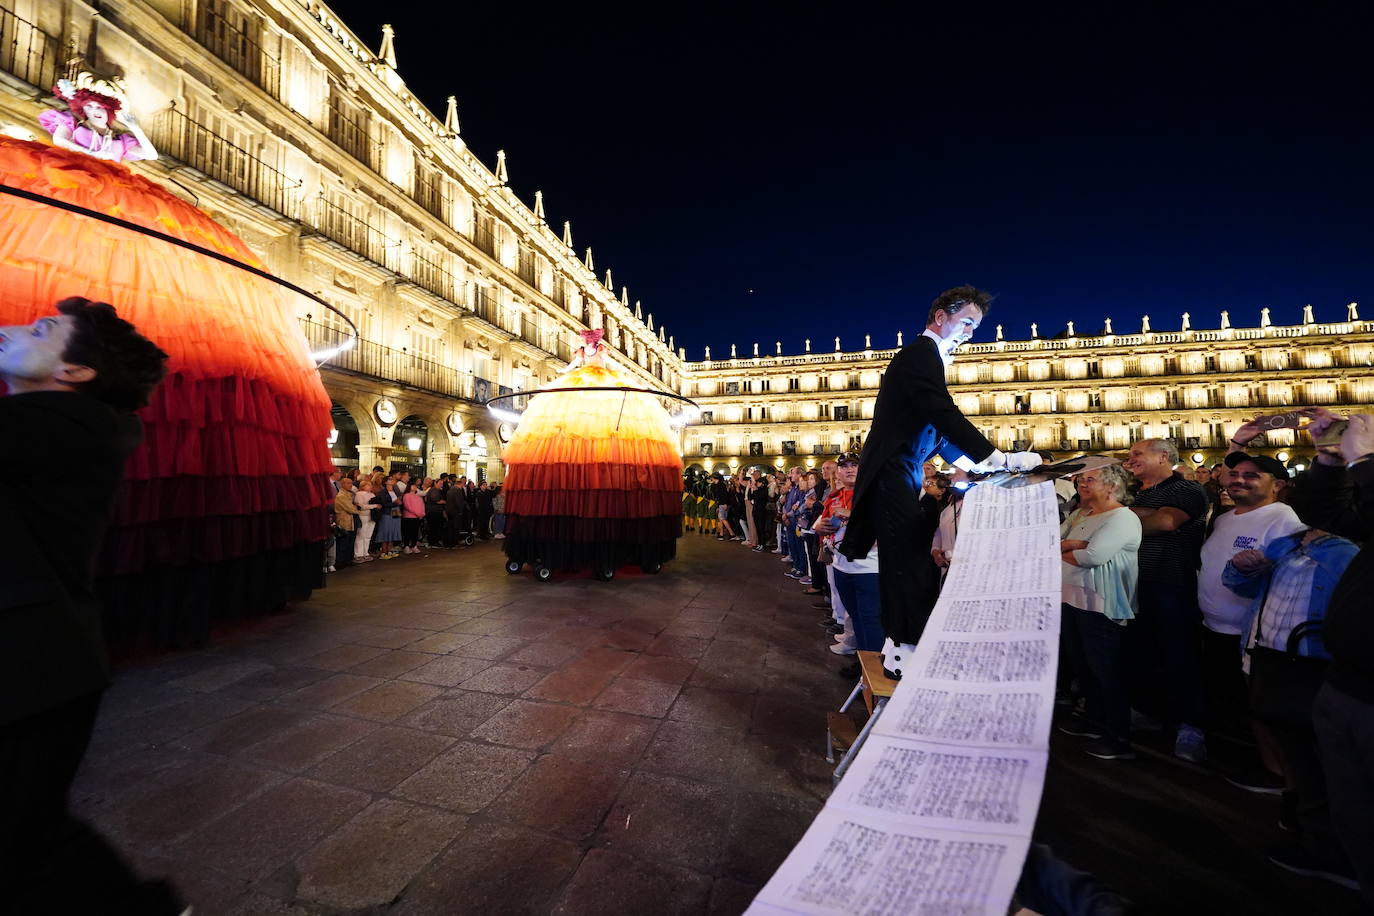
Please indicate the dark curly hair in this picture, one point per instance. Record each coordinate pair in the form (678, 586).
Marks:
(128, 366)
(952, 300)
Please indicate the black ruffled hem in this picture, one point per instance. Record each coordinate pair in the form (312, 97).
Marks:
(168, 607)
(563, 555)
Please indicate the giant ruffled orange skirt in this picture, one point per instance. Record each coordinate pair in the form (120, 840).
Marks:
(593, 478)
(223, 510)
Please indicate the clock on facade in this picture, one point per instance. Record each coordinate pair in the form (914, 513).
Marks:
(505, 430)
(386, 411)
(455, 423)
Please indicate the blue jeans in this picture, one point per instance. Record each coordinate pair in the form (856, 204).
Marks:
(796, 547)
(1094, 645)
(860, 596)
(1167, 635)
(1054, 887)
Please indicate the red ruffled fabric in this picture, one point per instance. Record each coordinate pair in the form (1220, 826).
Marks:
(234, 460)
(593, 477)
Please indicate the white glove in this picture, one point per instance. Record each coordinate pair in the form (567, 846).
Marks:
(1022, 461)
(991, 463)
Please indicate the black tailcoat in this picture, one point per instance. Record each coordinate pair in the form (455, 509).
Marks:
(52, 648)
(914, 418)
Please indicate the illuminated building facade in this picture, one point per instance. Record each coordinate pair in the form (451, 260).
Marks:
(280, 123)
(1069, 395)
(273, 117)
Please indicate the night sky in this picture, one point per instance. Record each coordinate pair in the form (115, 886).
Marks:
(770, 172)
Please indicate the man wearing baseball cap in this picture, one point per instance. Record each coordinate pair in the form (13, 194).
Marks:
(1258, 519)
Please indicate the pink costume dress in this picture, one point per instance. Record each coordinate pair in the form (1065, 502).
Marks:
(125, 146)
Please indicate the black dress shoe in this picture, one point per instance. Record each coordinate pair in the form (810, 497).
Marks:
(827, 623)
(821, 605)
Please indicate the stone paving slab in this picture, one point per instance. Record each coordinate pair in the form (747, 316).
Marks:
(434, 736)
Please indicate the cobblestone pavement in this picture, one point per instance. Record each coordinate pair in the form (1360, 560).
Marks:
(433, 736)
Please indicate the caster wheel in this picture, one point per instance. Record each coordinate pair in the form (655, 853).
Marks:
(513, 567)
(652, 568)
(469, 541)
(606, 574)
(543, 573)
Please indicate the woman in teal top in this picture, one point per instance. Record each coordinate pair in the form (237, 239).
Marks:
(1101, 540)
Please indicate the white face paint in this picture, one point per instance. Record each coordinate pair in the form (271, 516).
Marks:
(958, 328)
(32, 354)
(96, 114)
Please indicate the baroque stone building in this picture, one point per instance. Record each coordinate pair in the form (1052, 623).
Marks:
(275, 118)
(1065, 395)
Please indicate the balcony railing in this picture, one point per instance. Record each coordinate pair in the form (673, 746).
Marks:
(179, 136)
(348, 127)
(235, 38)
(353, 232)
(525, 269)
(433, 277)
(484, 239)
(27, 52)
(429, 191)
(376, 361)
(484, 307)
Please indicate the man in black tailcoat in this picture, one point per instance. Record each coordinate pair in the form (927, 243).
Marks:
(914, 419)
(73, 381)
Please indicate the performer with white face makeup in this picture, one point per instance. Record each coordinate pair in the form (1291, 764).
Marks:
(97, 122)
(73, 380)
(914, 419)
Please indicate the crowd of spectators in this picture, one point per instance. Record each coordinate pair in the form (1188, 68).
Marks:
(1229, 603)
(380, 516)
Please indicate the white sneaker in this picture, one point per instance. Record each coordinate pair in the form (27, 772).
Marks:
(329, 569)
(843, 648)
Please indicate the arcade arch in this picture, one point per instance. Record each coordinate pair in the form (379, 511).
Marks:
(343, 437)
(410, 446)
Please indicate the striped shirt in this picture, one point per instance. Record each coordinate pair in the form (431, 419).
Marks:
(1172, 556)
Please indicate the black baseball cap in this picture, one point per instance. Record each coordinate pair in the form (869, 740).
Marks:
(1263, 462)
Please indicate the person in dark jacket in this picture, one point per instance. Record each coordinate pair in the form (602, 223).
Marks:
(482, 510)
(915, 418)
(455, 512)
(436, 526)
(74, 380)
(1337, 495)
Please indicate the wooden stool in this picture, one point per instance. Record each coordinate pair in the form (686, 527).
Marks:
(876, 688)
(875, 684)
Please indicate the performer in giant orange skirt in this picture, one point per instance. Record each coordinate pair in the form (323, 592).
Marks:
(222, 512)
(593, 473)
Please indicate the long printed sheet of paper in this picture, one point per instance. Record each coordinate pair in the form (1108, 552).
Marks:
(935, 813)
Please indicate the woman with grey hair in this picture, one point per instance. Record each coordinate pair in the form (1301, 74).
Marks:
(1101, 540)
